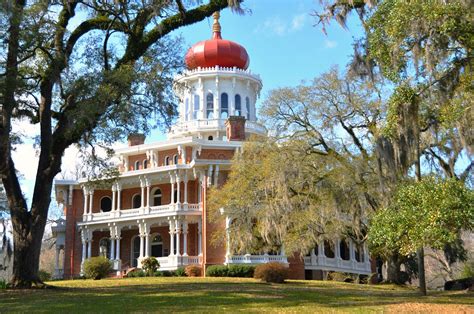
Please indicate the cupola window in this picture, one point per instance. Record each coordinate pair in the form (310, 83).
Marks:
(186, 109)
(210, 106)
(175, 159)
(224, 106)
(196, 107)
(247, 107)
(137, 165)
(167, 160)
(238, 105)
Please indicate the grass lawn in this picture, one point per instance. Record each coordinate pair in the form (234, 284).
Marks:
(178, 294)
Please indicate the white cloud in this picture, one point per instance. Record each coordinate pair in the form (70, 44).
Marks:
(280, 27)
(330, 44)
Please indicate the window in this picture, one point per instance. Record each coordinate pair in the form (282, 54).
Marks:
(344, 249)
(328, 249)
(105, 204)
(238, 105)
(224, 106)
(137, 165)
(175, 195)
(196, 107)
(175, 159)
(359, 253)
(145, 164)
(104, 247)
(210, 106)
(167, 160)
(157, 197)
(137, 201)
(156, 245)
(186, 109)
(247, 107)
(210, 138)
(135, 250)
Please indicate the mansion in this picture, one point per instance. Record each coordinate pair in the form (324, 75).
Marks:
(157, 205)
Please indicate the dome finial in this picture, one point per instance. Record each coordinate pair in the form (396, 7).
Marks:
(216, 27)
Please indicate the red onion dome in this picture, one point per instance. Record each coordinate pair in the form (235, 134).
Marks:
(217, 51)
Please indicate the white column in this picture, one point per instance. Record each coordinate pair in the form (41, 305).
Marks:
(366, 253)
(84, 252)
(209, 175)
(91, 198)
(56, 260)
(147, 241)
(119, 200)
(147, 194)
(199, 238)
(172, 190)
(112, 248)
(117, 240)
(185, 237)
(142, 245)
(199, 190)
(227, 233)
(185, 188)
(89, 248)
(216, 175)
(178, 242)
(216, 101)
(172, 231)
(178, 183)
(85, 192)
(142, 185)
(114, 191)
(338, 249)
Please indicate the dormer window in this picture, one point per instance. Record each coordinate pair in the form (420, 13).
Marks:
(175, 159)
(196, 107)
(167, 160)
(136, 165)
(186, 109)
(145, 164)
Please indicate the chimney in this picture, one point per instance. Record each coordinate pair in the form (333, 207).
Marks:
(136, 139)
(235, 128)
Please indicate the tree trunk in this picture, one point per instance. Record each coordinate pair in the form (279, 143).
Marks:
(421, 270)
(393, 270)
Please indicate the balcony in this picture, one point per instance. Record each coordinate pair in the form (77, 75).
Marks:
(212, 125)
(144, 212)
(337, 264)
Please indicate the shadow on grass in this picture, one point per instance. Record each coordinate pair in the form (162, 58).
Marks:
(201, 295)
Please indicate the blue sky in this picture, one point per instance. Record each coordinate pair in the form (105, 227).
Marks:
(284, 45)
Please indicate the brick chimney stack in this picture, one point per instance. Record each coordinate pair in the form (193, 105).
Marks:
(136, 139)
(235, 128)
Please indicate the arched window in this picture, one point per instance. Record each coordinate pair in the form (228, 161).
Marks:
(175, 159)
(186, 109)
(210, 138)
(156, 245)
(104, 247)
(238, 105)
(344, 249)
(145, 164)
(210, 106)
(328, 249)
(135, 250)
(137, 165)
(359, 253)
(224, 106)
(167, 160)
(105, 204)
(175, 196)
(196, 107)
(157, 197)
(137, 201)
(247, 107)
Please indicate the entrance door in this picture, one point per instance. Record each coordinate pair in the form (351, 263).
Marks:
(136, 251)
(156, 245)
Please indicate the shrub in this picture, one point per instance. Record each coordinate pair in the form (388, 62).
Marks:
(167, 273)
(271, 272)
(193, 271)
(468, 270)
(3, 284)
(97, 267)
(44, 275)
(217, 271)
(341, 277)
(180, 272)
(246, 271)
(150, 265)
(136, 273)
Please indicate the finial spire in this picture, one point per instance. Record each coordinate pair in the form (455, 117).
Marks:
(216, 27)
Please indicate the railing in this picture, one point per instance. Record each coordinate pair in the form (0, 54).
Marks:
(256, 259)
(337, 264)
(143, 211)
(203, 125)
(232, 70)
(172, 262)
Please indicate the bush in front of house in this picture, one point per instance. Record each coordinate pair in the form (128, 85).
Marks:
(217, 271)
(136, 273)
(180, 272)
(44, 275)
(245, 271)
(3, 284)
(271, 272)
(193, 270)
(150, 265)
(97, 267)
